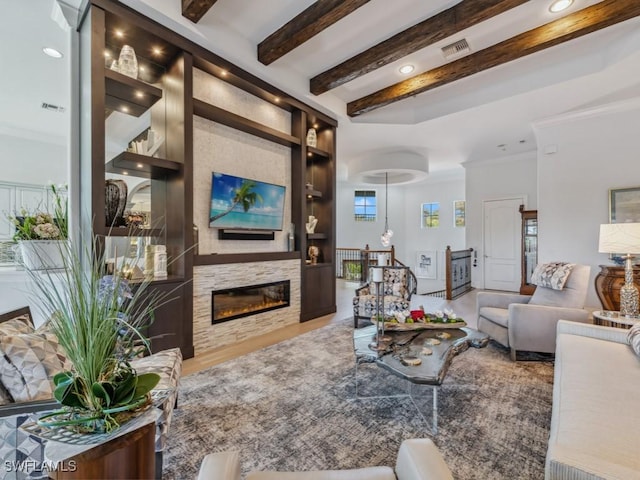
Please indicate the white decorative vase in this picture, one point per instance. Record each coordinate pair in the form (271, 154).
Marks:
(43, 254)
(128, 62)
(312, 139)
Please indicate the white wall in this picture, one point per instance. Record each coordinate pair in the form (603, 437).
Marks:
(416, 238)
(404, 219)
(32, 161)
(352, 234)
(596, 150)
(490, 180)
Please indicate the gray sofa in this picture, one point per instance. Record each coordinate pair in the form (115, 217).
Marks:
(418, 459)
(15, 444)
(595, 424)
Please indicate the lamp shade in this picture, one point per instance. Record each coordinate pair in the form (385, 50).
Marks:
(619, 238)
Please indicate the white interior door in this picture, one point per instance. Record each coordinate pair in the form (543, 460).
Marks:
(502, 225)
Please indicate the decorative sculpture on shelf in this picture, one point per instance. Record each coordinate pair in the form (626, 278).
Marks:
(313, 254)
(311, 225)
(127, 62)
(312, 138)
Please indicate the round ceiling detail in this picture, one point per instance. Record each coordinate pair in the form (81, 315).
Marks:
(402, 167)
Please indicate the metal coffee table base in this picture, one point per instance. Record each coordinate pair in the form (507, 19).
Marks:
(409, 395)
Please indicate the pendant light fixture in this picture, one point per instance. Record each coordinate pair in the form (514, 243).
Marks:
(385, 238)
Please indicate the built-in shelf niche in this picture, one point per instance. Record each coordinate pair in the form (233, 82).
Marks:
(143, 166)
(128, 95)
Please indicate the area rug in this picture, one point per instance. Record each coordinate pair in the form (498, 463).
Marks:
(291, 407)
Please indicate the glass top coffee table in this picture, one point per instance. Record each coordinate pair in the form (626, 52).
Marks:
(418, 356)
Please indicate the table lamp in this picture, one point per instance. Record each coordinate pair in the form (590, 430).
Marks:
(623, 238)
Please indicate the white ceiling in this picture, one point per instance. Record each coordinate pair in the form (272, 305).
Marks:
(465, 121)
(481, 117)
(29, 77)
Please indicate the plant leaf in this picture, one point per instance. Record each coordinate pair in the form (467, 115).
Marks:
(125, 390)
(99, 390)
(146, 382)
(67, 393)
(62, 377)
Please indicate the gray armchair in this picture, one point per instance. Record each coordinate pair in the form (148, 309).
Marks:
(528, 322)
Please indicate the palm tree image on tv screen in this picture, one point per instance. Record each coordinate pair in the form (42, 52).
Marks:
(245, 204)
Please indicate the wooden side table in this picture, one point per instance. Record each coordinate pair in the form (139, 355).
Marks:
(609, 318)
(129, 455)
(608, 283)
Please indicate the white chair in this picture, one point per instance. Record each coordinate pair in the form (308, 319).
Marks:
(528, 322)
(418, 459)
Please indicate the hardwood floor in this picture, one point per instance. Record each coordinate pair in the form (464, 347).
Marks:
(464, 307)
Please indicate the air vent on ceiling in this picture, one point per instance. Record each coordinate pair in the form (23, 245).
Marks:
(51, 107)
(456, 49)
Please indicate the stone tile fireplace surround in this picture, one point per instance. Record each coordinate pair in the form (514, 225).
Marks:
(208, 278)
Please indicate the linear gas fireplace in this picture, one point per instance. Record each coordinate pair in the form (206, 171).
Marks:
(244, 301)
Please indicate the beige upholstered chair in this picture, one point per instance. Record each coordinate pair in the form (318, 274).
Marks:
(395, 292)
(528, 322)
(418, 459)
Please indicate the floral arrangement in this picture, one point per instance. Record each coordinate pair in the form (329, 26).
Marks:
(99, 322)
(419, 316)
(43, 225)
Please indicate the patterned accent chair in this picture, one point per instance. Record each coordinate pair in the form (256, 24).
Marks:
(29, 381)
(397, 286)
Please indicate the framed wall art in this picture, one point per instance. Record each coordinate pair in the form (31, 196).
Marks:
(430, 215)
(459, 213)
(624, 205)
(426, 264)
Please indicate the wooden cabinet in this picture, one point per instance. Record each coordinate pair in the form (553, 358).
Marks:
(529, 249)
(133, 133)
(117, 110)
(608, 283)
(314, 173)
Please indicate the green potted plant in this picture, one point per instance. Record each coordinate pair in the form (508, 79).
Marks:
(99, 321)
(40, 233)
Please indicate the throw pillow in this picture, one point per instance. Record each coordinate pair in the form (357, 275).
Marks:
(28, 363)
(634, 338)
(552, 275)
(16, 326)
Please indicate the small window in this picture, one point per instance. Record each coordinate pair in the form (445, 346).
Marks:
(430, 215)
(365, 208)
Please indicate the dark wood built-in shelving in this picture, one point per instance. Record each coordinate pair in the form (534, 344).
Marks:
(133, 232)
(317, 236)
(313, 193)
(142, 166)
(222, 258)
(216, 114)
(319, 152)
(122, 91)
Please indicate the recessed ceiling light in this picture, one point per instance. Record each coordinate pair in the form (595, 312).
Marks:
(52, 52)
(406, 69)
(560, 5)
(124, 109)
(119, 33)
(139, 94)
(224, 73)
(156, 51)
(276, 99)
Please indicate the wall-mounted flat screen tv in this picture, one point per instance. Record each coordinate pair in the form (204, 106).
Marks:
(244, 204)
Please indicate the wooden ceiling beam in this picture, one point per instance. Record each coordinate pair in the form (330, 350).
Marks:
(304, 26)
(442, 25)
(194, 10)
(577, 24)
